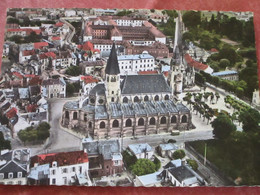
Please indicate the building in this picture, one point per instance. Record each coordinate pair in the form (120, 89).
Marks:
(166, 150)
(149, 180)
(6, 50)
(62, 168)
(141, 150)
(104, 157)
(14, 165)
(139, 105)
(227, 75)
(256, 98)
(54, 88)
(88, 83)
(131, 64)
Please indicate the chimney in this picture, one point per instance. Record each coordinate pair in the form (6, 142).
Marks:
(183, 163)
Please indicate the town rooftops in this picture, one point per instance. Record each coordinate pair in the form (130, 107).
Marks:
(136, 84)
(99, 89)
(89, 79)
(195, 64)
(168, 146)
(53, 82)
(224, 73)
(39, 172)
(40, 45)
(62, 158)
(181, 173)
(140, 148)
(148, 72)
(173, 163)
(150, 179)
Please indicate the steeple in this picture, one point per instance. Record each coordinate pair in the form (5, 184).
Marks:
(112, 67)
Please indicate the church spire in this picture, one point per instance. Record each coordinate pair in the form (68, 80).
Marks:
(112, 67)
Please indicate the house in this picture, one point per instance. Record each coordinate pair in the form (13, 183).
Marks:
(54, 88)
(26, 55)
(184, 176)
(141, 150)
(174, 164)
(149, 180)
(198, 66)
(88, 82)
(62, 168)
(6, 132)
(104, 157)
(89, 67)
(166, 150)
(6, 50)
(14, 165)
(227, 75)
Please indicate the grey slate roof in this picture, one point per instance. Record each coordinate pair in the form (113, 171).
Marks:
(181, 173)
(107, 148)
(99, 89)
(112, 67)
(140, 84)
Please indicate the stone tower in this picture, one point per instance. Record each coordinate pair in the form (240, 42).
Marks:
(112, 80)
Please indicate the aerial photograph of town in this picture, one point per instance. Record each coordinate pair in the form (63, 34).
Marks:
(129, 97)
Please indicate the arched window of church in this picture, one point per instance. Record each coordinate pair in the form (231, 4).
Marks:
(136, 99)
(146, 98)
(125, 100)
(152, 121)
(163, 120)
(173, 119)
(102, 125)
(128, 123)
(115, 123)
(67, 115)
(112, 99)
(166, 97)
(141, 122)
(85, 117)
(75, 115)
(156, 98)
(184, 119)
(90, 125)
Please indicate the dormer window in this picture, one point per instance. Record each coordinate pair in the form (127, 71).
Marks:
(10, 175)
(20, 174)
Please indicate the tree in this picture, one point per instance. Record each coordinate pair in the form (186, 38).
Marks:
(222, 127)
(157, 163)
(193, 163)
(223, 63)
(191, 19)
(70, 89)
(178, 154)
(73, 71)
(250, 119)
(143, 167)
(4, 144)
(129, 159)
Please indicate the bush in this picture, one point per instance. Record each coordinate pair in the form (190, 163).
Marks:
(128, 158)
(143, 167)
(194, 165)
(178, 154)
(157, 163)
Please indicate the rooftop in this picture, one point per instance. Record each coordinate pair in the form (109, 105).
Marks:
(224, 73)
(150, 179)
(140, 148)
(135, 57)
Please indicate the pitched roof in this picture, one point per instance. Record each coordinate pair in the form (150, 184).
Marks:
(56, 38)
(39, 45)
(148, 72)
(59, 24)
(140, 148)
(28, 52)
(112, 67)
(195, 64)
(62, 158)
(89, 79)
(136, 84)
(11, 113)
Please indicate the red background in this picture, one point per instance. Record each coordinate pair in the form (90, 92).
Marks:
(223, 5)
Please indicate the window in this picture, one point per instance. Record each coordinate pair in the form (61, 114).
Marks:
(141, 122)
(128, 123)
(146, 98)
(136, 99)
(112, 92)
(115, 123)
(20, 174)
(102, 125)
(125, 100)
(112, 99)
(173, 119)
(75, 115)
(163, 120)
(65, 180)
(53, 181)
(73, 169)
(156, 98)
(166, 97)
(10, 175)
(92, 100)
(184, 119)
(1, 176)
(85, 117)
(53, 172)
(152, 121)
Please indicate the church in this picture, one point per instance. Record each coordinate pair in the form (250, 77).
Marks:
(132, 106)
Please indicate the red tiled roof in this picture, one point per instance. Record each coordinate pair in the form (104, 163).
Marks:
(29, 75)
(89, 79)
(56, 38)
(35, 81)
(17, 74)
(62, 158)
(11, 113)
(214, 50)
(31, 108)
(166, 73)
(147, 72)
(40, 45)
(59, 24)
(28, 52)
(47, 54)
(195, 64)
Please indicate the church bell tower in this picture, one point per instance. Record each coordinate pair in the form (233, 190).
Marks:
(112, 80)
